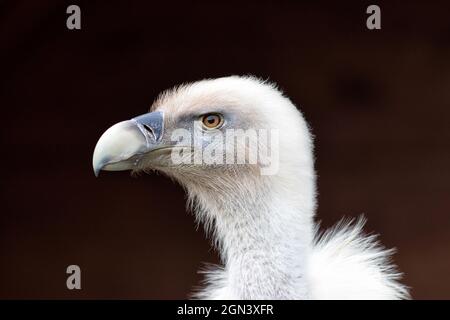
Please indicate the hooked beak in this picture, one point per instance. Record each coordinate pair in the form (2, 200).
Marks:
(124, 144)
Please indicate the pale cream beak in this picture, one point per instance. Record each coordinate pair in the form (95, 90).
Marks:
(124, 144)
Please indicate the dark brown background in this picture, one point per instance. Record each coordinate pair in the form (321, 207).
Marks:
(378, 102)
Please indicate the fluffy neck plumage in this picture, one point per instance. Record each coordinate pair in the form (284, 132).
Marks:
(262, 226)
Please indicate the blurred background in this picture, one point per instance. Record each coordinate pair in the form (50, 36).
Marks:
(378, 102)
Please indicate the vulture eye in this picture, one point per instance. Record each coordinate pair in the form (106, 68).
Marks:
(211, 120)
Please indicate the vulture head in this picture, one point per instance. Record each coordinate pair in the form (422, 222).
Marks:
(244, 154)
(233, 139)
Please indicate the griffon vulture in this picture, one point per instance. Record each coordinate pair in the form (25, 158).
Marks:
(260, 213)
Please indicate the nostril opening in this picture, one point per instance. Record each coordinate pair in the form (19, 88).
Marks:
(148, 129)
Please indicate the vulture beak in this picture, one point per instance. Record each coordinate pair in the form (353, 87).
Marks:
(124, 144)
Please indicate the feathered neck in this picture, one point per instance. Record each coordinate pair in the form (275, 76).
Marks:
(263, 229)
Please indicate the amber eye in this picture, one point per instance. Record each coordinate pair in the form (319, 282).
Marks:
(212, 120)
